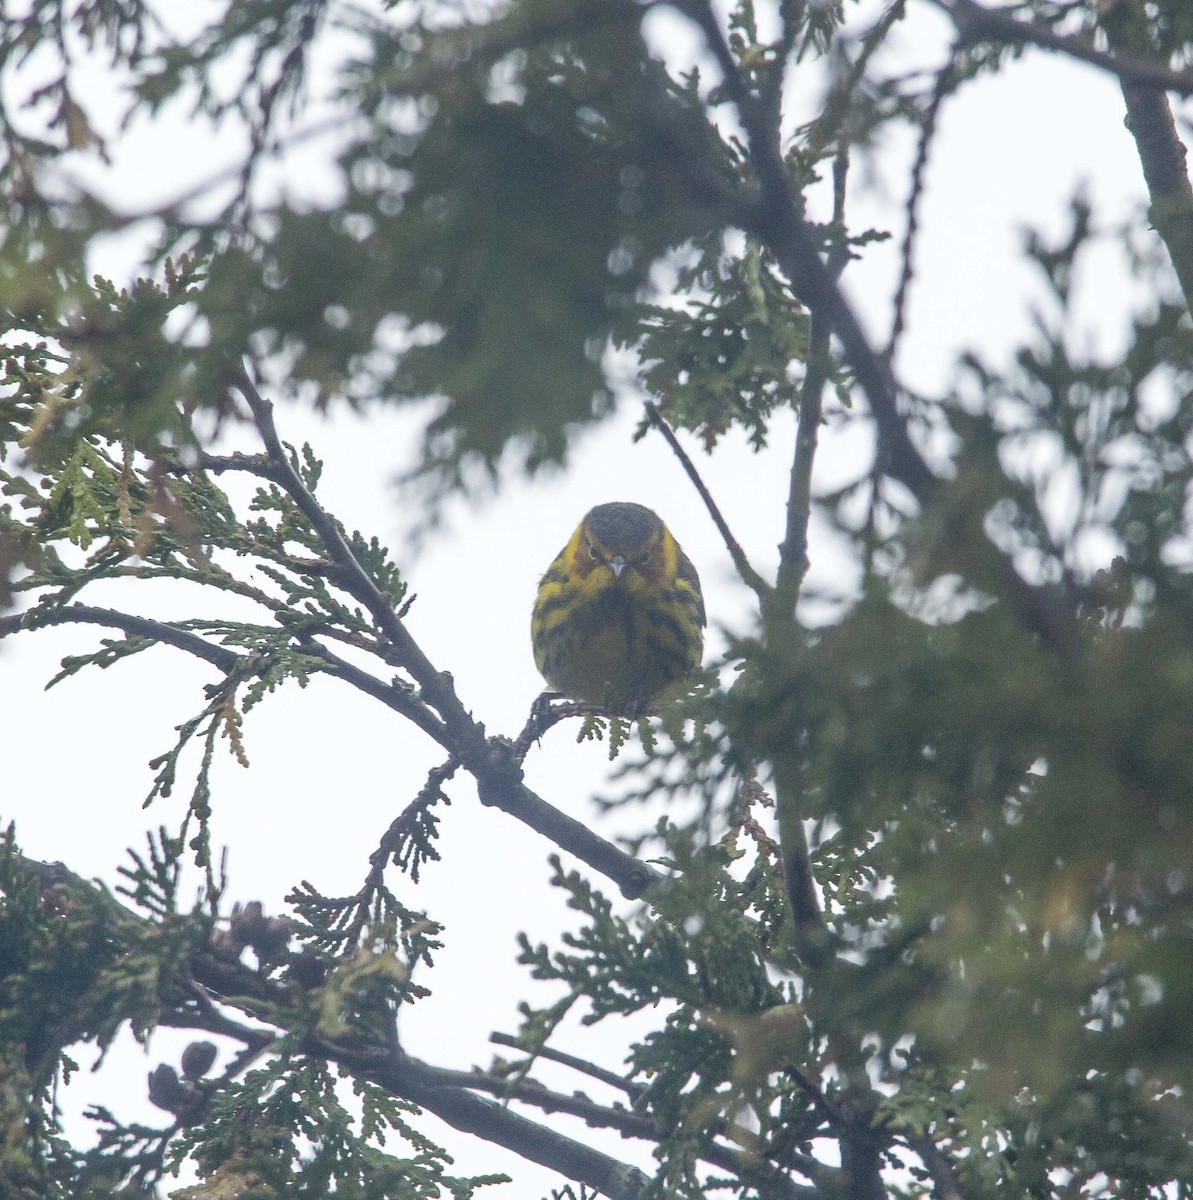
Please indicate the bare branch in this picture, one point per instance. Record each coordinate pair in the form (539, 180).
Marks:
(751, 577)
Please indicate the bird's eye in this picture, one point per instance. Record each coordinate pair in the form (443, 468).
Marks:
(591, 550)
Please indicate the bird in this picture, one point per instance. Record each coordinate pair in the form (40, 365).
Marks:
(619, 615)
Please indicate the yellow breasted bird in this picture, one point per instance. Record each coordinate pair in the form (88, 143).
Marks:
(619, 615)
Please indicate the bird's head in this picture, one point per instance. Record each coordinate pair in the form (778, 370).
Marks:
(628, 539)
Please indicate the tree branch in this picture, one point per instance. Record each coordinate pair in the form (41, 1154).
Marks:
(631, 875)
(1161, 151)
(444, 1094)
(440, 1091)
(1163, 155)
(436, 686)
(771, 97)
(798, 878)
(544, 716)
(793, 550)
(414, 1079)
(529, 1091)
(813, 934)
(610, 1078)
(1149, 116)
(945, 80)
(749, 576)
(226, 661)
(976, 23)
(490, 761)
(392, 695)
(775, 218)
(84, 614)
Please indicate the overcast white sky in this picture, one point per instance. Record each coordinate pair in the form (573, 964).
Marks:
(331, 769)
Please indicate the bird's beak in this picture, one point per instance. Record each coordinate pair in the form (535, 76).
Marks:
(617, 562)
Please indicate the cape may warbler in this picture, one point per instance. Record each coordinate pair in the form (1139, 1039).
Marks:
(619, 614)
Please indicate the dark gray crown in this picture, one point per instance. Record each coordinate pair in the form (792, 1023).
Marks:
(622, 527)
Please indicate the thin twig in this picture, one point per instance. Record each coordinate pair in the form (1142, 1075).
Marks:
(771, 97)
(751, 577)
(945, 80)
(793, 550)
(798, 877)
(226, 661)
(632, 1089)
(544, 715)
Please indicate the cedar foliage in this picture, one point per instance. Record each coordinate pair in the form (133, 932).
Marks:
(936, 910)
